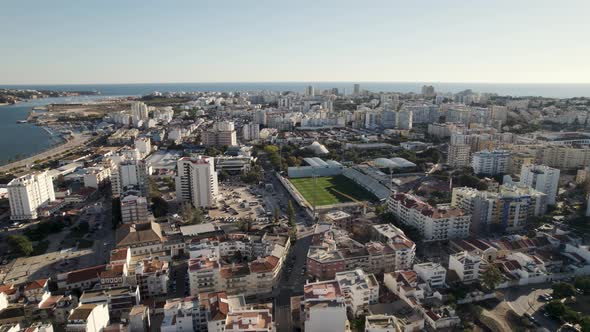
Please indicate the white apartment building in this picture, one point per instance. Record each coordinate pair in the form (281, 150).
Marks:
(323, 307)
(433, 274)
(251, 131)
(209, 273)
(564, 157)
(508, 209)
(359, 290)
(458, 155)
(130, 174)
(165, 114)
(196, 181)
(439, 223)
(134, 209)
(491, 162)
(541, 178)
(404, 119)
(29, 192)
(139, 114)
(222, 134)
(249, 320)
(423, 113)
(144, 146)
(94, 177)
(460, 115)
(442, 130)
(216, 306)
(152, 277)
(181, 315)
(88, 318)
(467, 266)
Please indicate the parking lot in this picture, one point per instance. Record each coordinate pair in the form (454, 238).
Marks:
(239, 202)
(69, 249)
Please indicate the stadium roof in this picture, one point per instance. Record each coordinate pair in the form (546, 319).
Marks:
(393, 163)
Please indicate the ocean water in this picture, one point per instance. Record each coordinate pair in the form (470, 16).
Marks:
(524, 89)
(20, 140)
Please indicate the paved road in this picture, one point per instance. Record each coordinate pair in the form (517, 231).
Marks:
(291, 283)
(526, 300)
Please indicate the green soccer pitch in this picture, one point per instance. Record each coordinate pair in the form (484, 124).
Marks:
(331, 190)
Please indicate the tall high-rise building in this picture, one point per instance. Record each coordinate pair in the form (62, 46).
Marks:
(508, 209)
(309, 91)
(357, 89)
(196, 181)
(404, 119)
(541, 178)
(428, 91)
(143, 146)
(139, 113)
(251, 131)
(222, 134)
(130, 175)
(27, 193)
(491, 162)
(458, 155)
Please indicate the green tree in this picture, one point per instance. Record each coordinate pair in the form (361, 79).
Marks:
(358, 324)
(291, 213)
(222, 176)
(253, 176)
(271, 149)
(491, 277)
(293, 161)
(277, 214)
(583, 283)
(191, 215)
(20, 244)
(212, 151)
(585, 323)
(380, 210)
(563, 289)
(159, 207)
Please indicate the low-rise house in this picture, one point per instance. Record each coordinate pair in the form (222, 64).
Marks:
(359, 290)
(333, 251)
(467, 266)
(139, 318)
(88, 318)
(119, 300)
(323, 307)
(80, 279)
(433, 274)
(249, 320)
(440, 318)
(183, 315)
(152, 277)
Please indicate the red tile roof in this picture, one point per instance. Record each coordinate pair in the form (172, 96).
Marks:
(85, 274)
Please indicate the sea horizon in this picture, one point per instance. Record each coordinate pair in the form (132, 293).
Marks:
(549, 90)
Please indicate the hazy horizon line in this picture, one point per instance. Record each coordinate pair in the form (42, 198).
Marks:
(303, 82)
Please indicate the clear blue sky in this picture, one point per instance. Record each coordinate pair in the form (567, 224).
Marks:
(47, 42)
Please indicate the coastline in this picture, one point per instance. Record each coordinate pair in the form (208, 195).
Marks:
(52, 152)
(39, 141)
